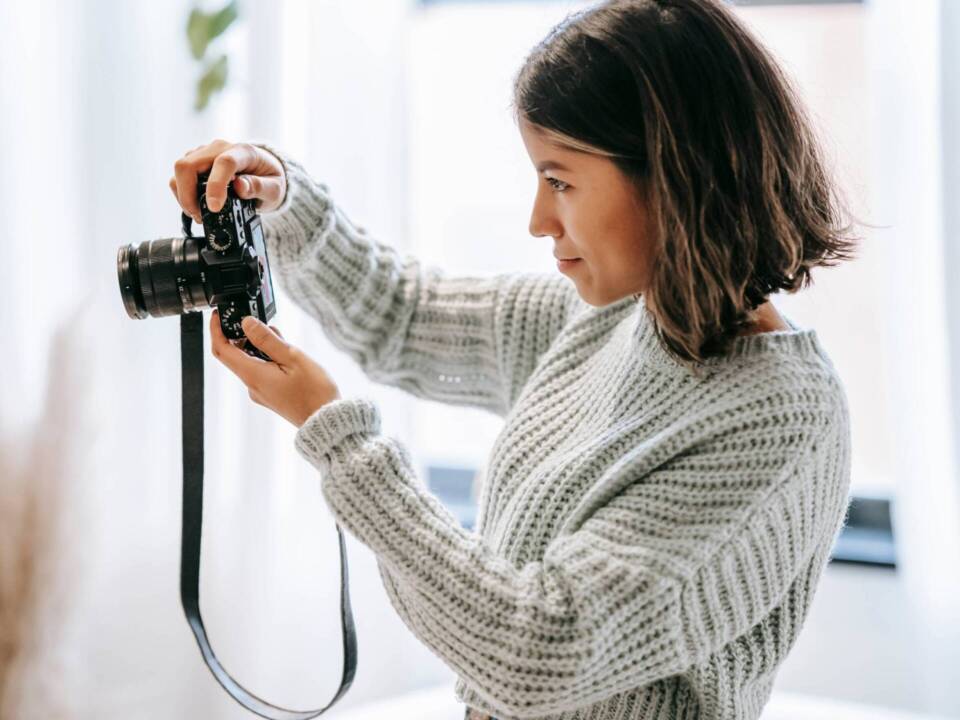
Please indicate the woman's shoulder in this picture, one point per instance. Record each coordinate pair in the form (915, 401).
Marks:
(791, 388)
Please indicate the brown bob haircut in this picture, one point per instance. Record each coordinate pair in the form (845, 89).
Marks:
(699, 117)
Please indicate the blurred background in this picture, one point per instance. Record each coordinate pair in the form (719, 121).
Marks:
(401, 107)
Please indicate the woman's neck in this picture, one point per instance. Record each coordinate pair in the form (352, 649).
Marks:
(765, 319)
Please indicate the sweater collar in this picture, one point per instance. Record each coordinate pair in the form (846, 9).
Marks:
(797, 341)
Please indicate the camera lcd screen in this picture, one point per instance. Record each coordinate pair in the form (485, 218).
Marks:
(266, 290)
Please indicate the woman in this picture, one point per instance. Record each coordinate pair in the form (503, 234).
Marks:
(675, 458)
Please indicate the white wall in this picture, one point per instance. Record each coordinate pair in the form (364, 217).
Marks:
(912, 78)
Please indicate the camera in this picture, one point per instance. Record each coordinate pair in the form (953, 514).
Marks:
(226, 268)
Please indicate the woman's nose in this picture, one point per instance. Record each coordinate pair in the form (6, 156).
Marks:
(544, 222)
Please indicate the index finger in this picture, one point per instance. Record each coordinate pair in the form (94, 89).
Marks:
(185, 186)
(236, 159)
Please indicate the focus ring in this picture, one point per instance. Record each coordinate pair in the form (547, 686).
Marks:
(163, 278)
(146, 277)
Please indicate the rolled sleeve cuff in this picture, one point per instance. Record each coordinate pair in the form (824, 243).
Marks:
(306, 210)
(332, 423)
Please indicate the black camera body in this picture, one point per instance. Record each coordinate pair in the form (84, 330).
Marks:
(226, 268)
(236, 258)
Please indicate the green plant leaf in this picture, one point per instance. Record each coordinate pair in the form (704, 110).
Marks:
(221, 20)
(213, 80)
(197, 33)
(203, 27)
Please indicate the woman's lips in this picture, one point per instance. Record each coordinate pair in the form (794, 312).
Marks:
(568, 263)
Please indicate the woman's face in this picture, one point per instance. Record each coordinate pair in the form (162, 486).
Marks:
(593, 213)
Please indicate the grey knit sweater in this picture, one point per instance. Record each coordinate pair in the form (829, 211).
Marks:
(648, 542)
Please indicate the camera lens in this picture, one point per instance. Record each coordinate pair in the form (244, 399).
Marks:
(161, 277)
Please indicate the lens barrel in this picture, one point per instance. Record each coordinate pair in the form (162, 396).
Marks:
(161, 277)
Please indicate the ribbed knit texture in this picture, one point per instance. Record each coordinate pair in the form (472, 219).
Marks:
(648, 543)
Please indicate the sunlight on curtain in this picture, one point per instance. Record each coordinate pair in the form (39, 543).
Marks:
(100, 110)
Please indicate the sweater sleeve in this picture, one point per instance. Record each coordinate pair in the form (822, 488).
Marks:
(623, 600)
(465, 340)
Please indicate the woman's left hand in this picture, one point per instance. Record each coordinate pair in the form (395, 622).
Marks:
(292, 385)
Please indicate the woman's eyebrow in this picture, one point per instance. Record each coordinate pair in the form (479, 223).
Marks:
(551, 165)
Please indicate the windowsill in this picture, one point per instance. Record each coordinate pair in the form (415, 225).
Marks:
(867, 538)
(865, 546)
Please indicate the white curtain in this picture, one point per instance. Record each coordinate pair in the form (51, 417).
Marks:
(97, 105)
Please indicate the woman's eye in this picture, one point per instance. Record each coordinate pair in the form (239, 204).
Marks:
(558, 185)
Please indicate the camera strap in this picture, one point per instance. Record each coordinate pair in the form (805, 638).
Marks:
(191, 358)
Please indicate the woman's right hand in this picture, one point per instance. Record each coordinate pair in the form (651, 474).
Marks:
(254, 172)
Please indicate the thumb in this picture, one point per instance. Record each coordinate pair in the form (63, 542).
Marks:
(265, 339)
(266, 189)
